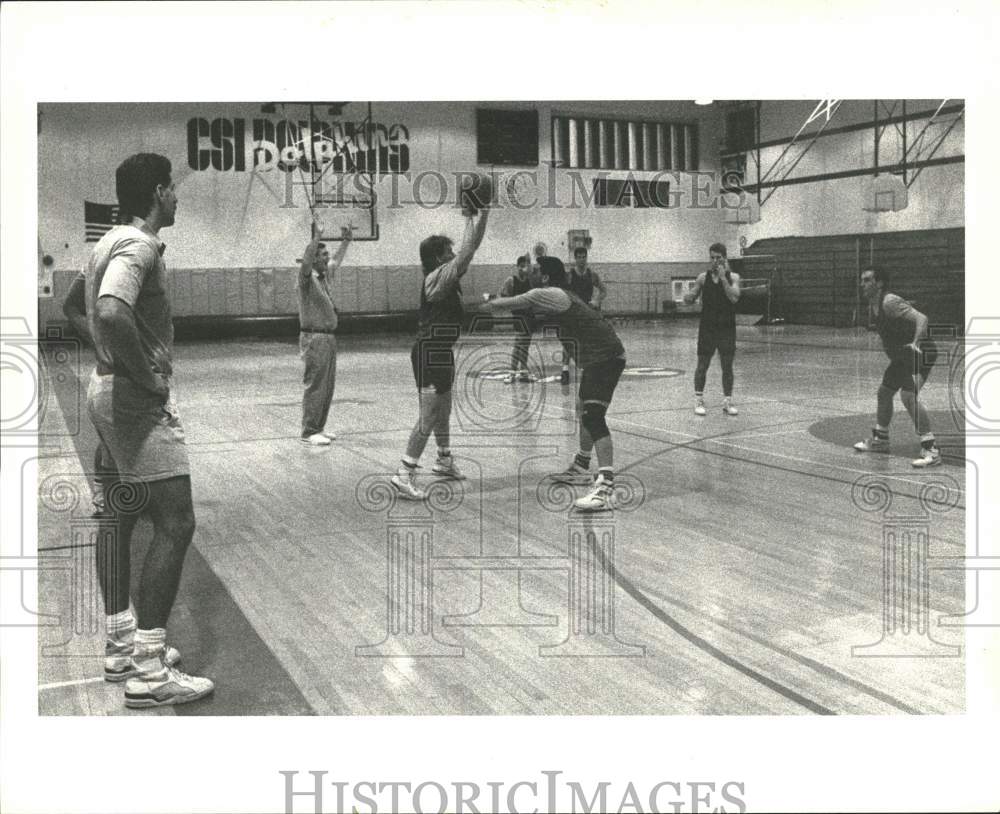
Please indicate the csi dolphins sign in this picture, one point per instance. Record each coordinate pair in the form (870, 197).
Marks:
(263, 145)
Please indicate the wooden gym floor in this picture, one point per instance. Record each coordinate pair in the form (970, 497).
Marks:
(741, 577)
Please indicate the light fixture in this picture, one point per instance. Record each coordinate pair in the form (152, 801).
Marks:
(703, 101)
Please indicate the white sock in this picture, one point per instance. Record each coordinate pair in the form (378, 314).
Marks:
(149, 647)
(121, 625)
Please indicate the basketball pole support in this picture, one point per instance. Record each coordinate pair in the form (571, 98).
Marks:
(316, 177)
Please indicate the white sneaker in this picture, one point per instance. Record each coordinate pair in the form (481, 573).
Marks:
(165, 687)
(317, 440)
(600, 499)
(873, 444)
(699, 408)
(118, 663)
(332, 436)
(445, 466)
(728, 408)
(97, 501)
(405, 488)
(928, 457)
(574, 474)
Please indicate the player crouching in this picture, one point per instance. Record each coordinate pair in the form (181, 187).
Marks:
(588, 337)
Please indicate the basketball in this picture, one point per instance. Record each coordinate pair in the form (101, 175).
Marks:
(476, 192)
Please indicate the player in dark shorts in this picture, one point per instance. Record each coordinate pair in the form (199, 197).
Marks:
(719, 289)
(585, 282)
(432, 359)
(903, 330)
(589, 338)
(552, 267)
(516, 284)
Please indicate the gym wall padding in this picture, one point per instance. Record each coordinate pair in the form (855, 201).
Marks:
(815, 279)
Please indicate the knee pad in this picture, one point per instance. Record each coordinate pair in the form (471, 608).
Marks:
(593, 420)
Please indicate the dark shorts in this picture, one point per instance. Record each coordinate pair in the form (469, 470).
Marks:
(598, 381)
(710, 341)
(524, 323)
(904, 366)
(433, 365)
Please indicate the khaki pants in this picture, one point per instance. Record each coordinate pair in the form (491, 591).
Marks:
(319, 355)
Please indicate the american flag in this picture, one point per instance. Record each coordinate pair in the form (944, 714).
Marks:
(98, 220)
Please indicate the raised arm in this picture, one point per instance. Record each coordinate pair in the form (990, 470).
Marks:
(346, 234)
(75, 308)
(692, 296)
(473, 237)
(309, 257)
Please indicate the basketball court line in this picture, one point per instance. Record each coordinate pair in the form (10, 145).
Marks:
(818, 666)
(661, 615)
(56, 685)
(704, 645)
(615, 420)
(699, 642)
(772, 434)
(657, 612)
(719, 439)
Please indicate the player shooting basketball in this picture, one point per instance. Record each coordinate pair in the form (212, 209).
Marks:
(432, 358)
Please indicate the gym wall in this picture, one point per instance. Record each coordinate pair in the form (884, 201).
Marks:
(829, 207)
(233, 249)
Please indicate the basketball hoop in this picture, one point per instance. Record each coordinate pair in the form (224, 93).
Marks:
(884, 193)
(746, 213)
